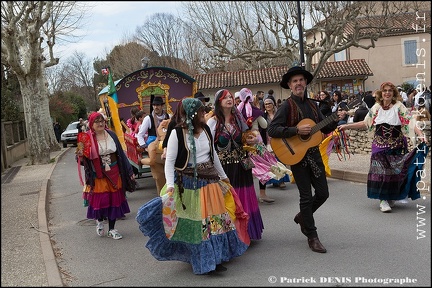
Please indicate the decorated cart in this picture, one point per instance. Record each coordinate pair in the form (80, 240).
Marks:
(138, 90)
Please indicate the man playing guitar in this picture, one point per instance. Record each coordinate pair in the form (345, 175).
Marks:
(295, 120)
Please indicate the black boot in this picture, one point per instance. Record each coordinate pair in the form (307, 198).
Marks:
(299, 220)
(315, 245)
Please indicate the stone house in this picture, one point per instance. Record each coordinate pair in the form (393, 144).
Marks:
(403, 55)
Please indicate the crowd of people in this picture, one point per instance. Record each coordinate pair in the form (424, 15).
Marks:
(207, 210)
(411, 98)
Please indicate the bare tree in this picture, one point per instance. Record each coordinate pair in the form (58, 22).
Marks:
(162, 34)
(124, 59)
(338, 25)
(266, 33)
(75, 71)
(78, 72)
(29, 32)
(54, 76)
(167, 40)
(260, 34)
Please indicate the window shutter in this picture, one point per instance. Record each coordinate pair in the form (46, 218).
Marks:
(410, 47)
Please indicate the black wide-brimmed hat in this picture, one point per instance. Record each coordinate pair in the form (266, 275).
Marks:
(296, 70)
(369, 100)
(157, 100)
(201, 96)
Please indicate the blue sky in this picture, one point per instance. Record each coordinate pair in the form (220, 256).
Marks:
(107, 23)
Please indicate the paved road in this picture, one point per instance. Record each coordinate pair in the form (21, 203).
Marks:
(365, 246)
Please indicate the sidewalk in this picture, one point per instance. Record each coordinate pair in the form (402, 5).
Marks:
(26, 252)
(356, 167)
(351, 168)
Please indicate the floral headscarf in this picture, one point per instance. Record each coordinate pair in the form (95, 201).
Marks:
(191, 107)
(94, 150)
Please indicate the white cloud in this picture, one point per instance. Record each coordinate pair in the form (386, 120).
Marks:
(107, 23)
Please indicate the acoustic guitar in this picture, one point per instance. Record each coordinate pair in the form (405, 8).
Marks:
(291, 150)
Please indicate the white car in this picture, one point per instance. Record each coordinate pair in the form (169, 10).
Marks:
(70, 135)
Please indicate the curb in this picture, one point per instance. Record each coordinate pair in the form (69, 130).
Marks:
(349, 176)
(363, 178)
(52, 270)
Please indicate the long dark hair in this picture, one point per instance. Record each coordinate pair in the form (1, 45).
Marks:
(133, 111)
(327, 97)
(196, 121)
(179, 114)
(236, 119)
(339, 97)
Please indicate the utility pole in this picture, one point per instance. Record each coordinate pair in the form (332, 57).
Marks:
(299, 24)
(302, 60)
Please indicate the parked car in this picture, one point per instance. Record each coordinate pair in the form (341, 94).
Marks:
(70, 135)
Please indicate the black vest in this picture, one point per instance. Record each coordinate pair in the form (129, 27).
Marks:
(153, 128)
(183, 153)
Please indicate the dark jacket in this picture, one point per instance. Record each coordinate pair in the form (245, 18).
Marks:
(287, 117)
(125, 167)
(325, 107)
(171, 126)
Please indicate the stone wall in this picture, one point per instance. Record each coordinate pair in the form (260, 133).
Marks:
(14, 144)
(360, 140)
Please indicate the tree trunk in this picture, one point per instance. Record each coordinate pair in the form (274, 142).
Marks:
(39, 126)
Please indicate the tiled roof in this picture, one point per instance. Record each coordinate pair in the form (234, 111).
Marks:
(240, 78)
(344, 69)
(340, 69)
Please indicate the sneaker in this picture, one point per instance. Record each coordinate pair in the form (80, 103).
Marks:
(100, 228)
(113, 233)
(282, 185)
(403, 201)
(391, 203)
(384, 206)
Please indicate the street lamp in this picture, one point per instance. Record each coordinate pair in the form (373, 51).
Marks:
(145, 61)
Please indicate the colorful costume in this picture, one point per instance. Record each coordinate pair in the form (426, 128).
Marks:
(393, 169)
(267, 167)
(104, 192)
(241, 179)
(201, 221)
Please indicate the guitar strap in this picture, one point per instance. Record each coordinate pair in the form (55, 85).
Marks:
(294, 120)
(293, 107)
